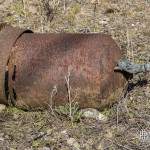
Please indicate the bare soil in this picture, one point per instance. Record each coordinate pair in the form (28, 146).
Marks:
(128, 22)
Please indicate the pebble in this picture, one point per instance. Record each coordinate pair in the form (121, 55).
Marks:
(46, 148)
(2, 107)
(1, 139)
(147, 94)
(93, 113)
(72, 142)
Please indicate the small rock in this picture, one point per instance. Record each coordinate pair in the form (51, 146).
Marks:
(100, 147)
(147, 94)
(72, 142)
(65, 134)
(49, 131)
(46, 148)
(104, 21)
(93, 113)
(109, 134)
(84, 30)
(1, 139)
(15, 116)
(2, 107)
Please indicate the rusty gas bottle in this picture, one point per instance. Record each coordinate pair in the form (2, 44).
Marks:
(40, 70)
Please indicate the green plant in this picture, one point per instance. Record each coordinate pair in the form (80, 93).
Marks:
(65, 110)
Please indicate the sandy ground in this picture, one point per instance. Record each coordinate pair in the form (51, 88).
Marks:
(128, 22)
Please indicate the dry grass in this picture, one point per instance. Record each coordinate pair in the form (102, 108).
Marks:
(128, 22)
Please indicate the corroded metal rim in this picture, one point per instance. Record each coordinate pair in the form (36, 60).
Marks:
(8, 37)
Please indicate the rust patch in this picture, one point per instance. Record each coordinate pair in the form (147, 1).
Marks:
(42, 61)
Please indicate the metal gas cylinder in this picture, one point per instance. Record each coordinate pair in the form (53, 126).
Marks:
(51, 68)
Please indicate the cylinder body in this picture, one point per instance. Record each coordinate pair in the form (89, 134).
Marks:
(51, 69)
(8, 37)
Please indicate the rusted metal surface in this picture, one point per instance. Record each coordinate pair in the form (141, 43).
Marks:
(8, 37)
(39, 64)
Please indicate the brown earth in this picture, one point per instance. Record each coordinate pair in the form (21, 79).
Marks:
(128, 22)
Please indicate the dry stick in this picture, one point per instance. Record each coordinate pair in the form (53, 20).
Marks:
(115, 143)
(24, 8)
(41, 18)
(64, 6)
(67, 78)
(117, 116)
(130, 54)
(122, 146)
(39, 136)
(121, 99)
(94, 15)
(53, 93)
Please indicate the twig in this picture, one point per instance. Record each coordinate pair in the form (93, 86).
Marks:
(119, 145)
(53, 93)
(121, 99)
(67, 78)
(39, 136)
(64, 5)
(122, 146)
